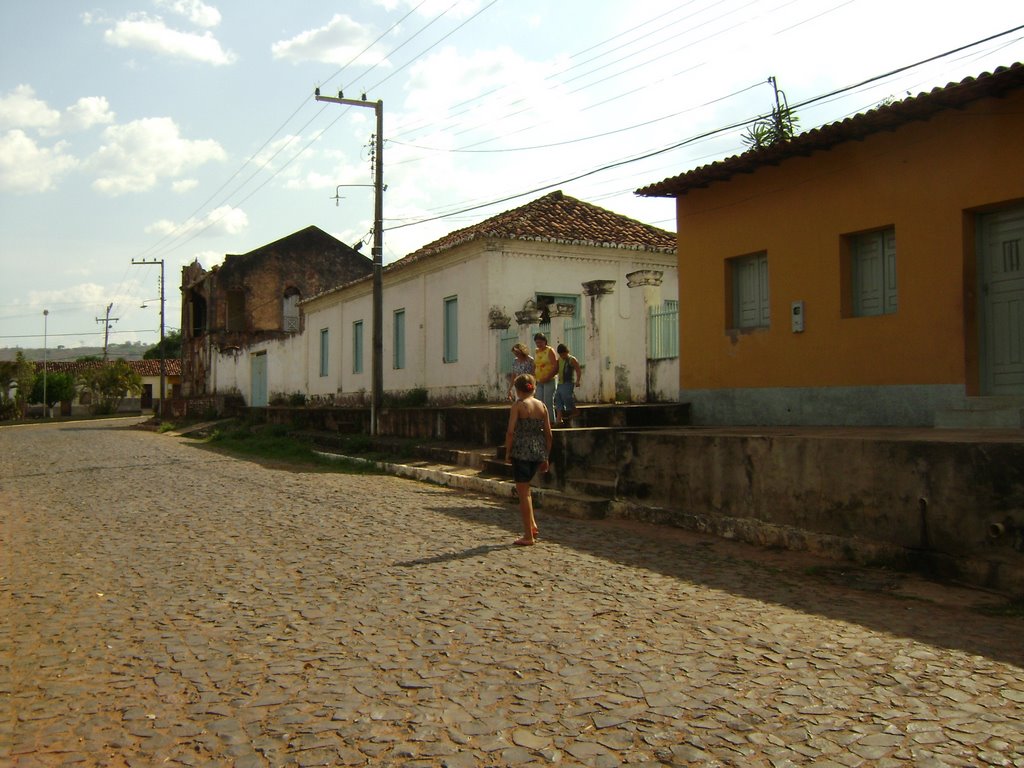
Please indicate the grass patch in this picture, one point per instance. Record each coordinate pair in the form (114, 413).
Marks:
(273, 444)
(1013, 609)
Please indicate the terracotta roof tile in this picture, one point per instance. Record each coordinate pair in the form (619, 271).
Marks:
(888, 117)
(556, 218)
(172, 366)
(553, 218)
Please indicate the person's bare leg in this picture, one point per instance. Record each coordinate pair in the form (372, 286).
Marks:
(526, 510)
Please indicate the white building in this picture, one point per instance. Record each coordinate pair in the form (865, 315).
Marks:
(452, 310)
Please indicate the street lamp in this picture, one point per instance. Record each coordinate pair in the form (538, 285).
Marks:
(46, 408)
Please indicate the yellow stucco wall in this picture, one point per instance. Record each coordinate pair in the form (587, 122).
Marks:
(926, 179)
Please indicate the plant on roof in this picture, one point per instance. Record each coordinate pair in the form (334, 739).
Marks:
(779, 126)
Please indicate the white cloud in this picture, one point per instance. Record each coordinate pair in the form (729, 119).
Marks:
(135, 156)
(21, 109)
(283, 148)
(441, 81)
(26, 167)
(432, 8)
(87, 112)
(82, 293)
(337, 42)
(196, 11)
(184, 185)
(152, 34)
(225, 220)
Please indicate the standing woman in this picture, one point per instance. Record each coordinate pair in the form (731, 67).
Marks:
(523, 363)
(527, 448)
(545, 363)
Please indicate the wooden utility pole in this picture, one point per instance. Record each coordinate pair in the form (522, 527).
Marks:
(377, 375)
(106, 328)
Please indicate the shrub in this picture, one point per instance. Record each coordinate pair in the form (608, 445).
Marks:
(412, 398)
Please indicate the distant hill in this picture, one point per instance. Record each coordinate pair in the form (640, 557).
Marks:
(133, 350)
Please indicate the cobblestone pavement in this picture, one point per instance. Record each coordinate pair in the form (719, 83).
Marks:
(168, 606)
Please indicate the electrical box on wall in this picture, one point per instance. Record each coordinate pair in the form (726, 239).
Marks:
(796, 316)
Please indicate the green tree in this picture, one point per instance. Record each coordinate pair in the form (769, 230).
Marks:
(108, 385)
(59, 388)
(8, 378)
(169, 348)
(24, 378)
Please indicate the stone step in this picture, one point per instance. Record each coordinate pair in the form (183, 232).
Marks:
(1006, 412)
(563, 503)
(603, 487)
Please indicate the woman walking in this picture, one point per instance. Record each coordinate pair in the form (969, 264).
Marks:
(527, 448)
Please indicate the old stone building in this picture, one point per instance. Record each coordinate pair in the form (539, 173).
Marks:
(255, 297)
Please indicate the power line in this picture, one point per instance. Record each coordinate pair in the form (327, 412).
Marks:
(582, 139)
(706, 134)
(192, 220)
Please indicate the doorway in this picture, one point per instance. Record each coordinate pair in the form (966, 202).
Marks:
(1001, 272)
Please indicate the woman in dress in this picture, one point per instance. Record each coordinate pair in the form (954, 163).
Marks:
(527, 448)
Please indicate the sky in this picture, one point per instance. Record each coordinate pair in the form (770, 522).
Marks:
(180, 130)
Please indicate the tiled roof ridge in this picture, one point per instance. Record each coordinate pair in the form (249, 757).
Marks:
(881, 118)
(556, 218)
(537, 221)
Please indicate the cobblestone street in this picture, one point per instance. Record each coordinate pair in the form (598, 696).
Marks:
(165, 605)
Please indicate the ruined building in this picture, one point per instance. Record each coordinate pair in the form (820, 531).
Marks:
(254, 297)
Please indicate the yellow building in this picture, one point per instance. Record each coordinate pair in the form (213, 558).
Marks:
(867, 272)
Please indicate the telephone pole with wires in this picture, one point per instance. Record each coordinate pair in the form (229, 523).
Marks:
(106, 328)
(163, 363)
(377, 375)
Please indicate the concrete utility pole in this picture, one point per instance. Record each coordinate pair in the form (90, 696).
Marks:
(377, 374)
(106, 328)
(163, 364)
(46, 408)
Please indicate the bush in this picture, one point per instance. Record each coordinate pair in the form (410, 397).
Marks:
(297, 399)
(8, 410)
(412, 398)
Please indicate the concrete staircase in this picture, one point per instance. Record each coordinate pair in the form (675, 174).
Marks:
(1005, 412)
(587, 491)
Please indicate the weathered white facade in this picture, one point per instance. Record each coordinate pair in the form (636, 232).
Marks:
(492, 282)
(450, 312)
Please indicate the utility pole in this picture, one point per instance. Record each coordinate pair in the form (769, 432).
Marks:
(163, 364)
(106, 328)
(46, 407)
(377, 373)
(781, 117)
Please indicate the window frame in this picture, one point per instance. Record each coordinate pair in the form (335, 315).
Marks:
(748, 292)
(858, 300)
(450, 322)
(398, 339)
(325, 352)
(357, 346)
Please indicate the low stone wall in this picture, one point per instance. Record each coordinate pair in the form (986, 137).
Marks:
(951, 507)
